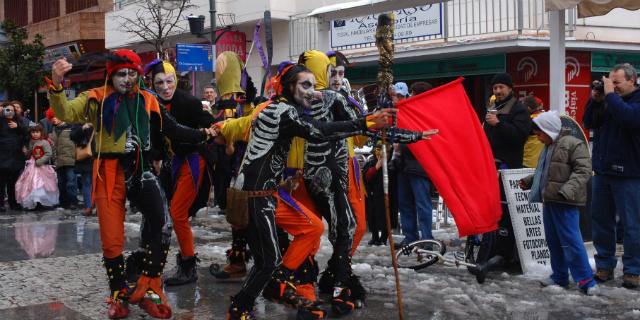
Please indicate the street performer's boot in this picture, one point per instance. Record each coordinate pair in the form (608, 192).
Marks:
(236, 266)
(184, 272)
(281, 289)
(328, 278)
(133, 268)
(239, 312)
(358, 293)
(306, 275)
(342, 301)
(148, 293)
(119, 298)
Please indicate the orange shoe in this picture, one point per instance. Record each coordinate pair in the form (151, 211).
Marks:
(150, 297)
(307, 290)
(229, 271)
(118, 305)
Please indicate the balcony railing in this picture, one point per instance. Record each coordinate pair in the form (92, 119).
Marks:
(460, 19)
(303, 35)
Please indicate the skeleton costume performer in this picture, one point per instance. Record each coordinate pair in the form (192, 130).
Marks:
(292, 214)
(263, 167)
(327, 177)
(187, 168)
(356, 192)
(129, 124)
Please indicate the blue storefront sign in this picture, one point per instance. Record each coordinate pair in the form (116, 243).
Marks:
(194, 57)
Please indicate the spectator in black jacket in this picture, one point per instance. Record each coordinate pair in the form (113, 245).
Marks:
(375, 207)
(507, 126)
(12, 135)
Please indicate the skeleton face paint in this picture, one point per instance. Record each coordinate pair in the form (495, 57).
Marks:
(165, 85)
(303, 93)
(336, 76)
(124, 80)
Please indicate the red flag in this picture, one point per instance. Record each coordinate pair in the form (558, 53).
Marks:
(458, 159)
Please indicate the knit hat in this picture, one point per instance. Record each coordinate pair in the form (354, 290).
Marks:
(401, 88)
(49, 114)
(549, 123)
(124, 58)
(502, 78)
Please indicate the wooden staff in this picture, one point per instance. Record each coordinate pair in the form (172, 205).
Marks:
(384, 42)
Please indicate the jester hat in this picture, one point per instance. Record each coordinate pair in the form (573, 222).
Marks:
(160, 66)
(337, 59)
(317, 62)
(229, 73)
(124, 58)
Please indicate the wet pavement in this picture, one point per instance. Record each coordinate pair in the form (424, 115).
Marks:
(50, 268)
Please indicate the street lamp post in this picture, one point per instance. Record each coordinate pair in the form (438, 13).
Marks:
(196, 27)
(212, 16)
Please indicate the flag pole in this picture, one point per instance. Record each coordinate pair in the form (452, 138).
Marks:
(384, 42)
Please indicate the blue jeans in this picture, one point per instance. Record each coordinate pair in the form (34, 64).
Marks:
(562, 229)
(86, 189)
(611, 196)
(414, 204)
(67, 185)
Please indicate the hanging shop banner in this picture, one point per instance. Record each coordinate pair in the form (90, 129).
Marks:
(526, 219)
(235, 41)
(530, 72)
(578, 80)
(194, 57)
(420, 21)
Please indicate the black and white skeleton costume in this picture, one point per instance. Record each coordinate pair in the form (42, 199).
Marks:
(262, 170)
(326, 177)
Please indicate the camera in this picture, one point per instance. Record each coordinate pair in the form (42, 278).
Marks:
(598, 86)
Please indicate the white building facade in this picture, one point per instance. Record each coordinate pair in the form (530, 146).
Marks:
(436, 40)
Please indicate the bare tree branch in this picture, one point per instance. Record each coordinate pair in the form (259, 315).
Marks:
(153, 24)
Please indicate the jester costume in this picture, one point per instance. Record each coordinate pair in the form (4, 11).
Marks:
(187, 168)
(129, 132)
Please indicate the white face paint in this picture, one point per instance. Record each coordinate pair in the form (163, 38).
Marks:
(336, 77)
(303, 93)
(165, 85)
(124, 79)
